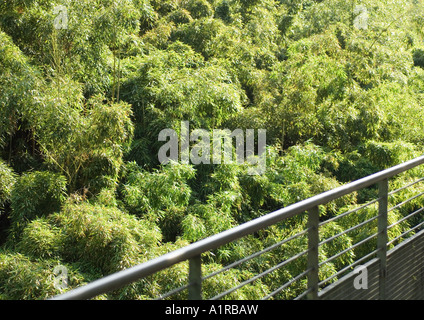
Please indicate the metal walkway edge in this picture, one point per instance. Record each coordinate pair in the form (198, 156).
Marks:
(404, 281)
(193, 252)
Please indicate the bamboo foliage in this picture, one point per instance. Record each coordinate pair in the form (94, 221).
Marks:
(338, 86)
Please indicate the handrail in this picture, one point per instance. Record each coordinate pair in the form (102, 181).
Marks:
(122, 278)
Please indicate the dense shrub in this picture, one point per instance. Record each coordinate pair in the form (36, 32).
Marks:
(40, 239)
(35, 194)
(337, 85)
(22, 278)
(383, 155)
(7, 181)
(104, 238)
(418, 57)
(199, 8)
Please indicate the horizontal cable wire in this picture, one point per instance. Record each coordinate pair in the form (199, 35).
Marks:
(406, 232)
(349, 212)
(407, 186)
(260, 275)
(347, 230)
(346, 250)
(303, 294)
(405, 218)
(406, 201)
(172, 292)
(287, 284)
(254, 255)
(347, 267)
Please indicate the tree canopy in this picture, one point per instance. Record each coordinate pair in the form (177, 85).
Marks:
(338, 86)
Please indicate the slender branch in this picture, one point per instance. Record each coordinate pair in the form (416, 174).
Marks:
(384, 30)
(119, 74)
(47, 153)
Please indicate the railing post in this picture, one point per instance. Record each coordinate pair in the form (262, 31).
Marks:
(313, 241)
(383, 190)
(195, 278)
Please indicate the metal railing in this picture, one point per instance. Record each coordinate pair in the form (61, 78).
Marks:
(311, 256)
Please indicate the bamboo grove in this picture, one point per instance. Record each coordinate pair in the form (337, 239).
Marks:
(338, 85)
